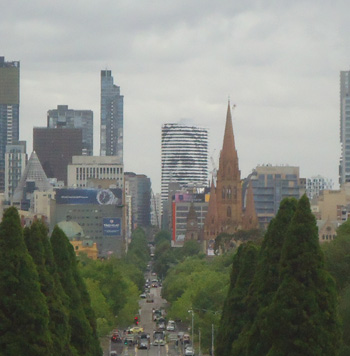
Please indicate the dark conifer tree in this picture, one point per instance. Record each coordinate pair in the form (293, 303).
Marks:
(234, 314)
(83, 337)
(40, 249)
(24, 315)
(253, 341)
(303, 316)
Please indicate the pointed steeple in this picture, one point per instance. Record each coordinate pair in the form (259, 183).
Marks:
(229, 140)
(250, 218)
(33, 172)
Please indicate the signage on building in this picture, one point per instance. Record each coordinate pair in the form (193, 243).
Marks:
(112, 227)
(185, 197)
(89, 196)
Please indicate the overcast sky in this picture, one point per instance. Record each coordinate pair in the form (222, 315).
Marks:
(278, 61)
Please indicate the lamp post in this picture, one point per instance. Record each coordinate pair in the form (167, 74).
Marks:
(199, 347)
(212, 339)
(191, 311)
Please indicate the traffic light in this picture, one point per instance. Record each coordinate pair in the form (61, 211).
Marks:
(136, 320)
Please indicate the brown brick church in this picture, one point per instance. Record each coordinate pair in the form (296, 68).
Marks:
(225, 211)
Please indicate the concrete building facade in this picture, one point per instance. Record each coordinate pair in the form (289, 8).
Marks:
(55, 148)
(85, 169)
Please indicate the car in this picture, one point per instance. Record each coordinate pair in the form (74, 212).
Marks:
(161, 325)
(113, 353)
(143, 295)
(149, 298)
(154, 285)
(115, 337)
(171, 325)
(136, 329)
(189, 351)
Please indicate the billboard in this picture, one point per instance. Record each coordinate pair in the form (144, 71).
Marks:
(112, 226)
(89, 196)
(186, 197)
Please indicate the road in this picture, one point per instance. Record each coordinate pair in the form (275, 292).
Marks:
(149, 326)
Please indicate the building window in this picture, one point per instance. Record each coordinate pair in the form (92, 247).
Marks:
(223, 194)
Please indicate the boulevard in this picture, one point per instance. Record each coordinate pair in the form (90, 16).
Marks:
(145, 312)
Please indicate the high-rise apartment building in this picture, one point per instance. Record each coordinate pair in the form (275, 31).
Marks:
(316, 184)
(184, 156)
(15, 164)
(112, 117)
(55, 149)
(344, 166)
(63, 117)
(9, 110)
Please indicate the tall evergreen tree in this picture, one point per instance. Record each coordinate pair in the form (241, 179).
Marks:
(234, 314)
(39, 247)
(303, 316)
(83, 337)
(253, 341)
(24, 315)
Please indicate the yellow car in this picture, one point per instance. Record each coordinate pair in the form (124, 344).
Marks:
(136, 329)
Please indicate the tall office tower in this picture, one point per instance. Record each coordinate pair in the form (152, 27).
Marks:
(55, 149)
(344, 166)
(184, 156)
(9, 110)
(112, 117)
(69, 118)
(138, 186)
(15, 164)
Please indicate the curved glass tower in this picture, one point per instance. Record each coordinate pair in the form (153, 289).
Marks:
(184, 156)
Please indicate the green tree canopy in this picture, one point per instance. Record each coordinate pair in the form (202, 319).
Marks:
(39, 247)
(24, 316)
(303, 317)
(83, 337)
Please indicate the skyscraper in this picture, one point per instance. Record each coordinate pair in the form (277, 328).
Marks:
(69, 118)
(9, 110)
(112, 117)
(344, 166)
(184, 156)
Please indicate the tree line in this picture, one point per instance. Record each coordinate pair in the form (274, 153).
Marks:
(281, 298)
(45, 307)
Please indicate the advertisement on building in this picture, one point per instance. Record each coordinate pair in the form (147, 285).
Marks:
(186, 197)
(89, 196)
(112, 227)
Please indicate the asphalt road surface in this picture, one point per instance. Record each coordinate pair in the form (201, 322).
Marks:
(149, 326)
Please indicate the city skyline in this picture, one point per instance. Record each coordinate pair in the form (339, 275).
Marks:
(279, 64)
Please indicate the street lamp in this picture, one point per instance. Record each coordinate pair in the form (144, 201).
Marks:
(191, 311)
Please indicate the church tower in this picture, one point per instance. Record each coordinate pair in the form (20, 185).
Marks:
(229, 188)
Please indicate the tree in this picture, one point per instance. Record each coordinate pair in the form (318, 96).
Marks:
(303, 316)
(234, 313)
(24, 316)
(253, 340)
(83, 337)
(39, 248)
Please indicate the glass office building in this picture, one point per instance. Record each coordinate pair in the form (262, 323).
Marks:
(112, 117)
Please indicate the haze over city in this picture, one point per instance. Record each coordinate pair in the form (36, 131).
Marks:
(278, 62)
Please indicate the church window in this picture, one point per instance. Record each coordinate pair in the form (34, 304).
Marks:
(229, 212)
(229, 193)
(223, 193)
